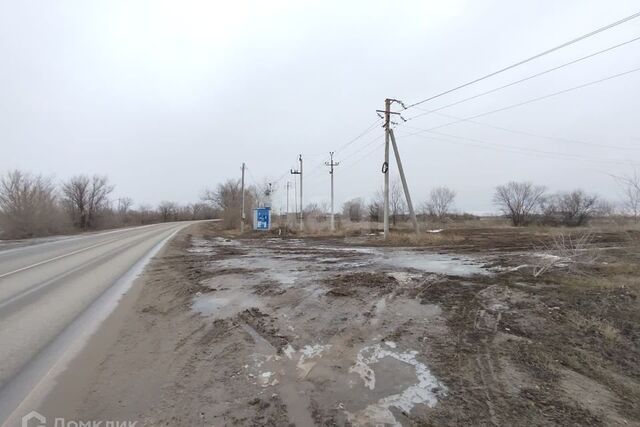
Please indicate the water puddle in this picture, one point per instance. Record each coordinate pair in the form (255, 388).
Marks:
(233, 294)
(224, 306)
(433, 263)
(377, 366)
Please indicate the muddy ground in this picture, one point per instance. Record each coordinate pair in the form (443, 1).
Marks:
(269, 331)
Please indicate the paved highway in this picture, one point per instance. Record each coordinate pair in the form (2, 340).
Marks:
(46, 289)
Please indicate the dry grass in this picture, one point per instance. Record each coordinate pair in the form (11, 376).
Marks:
(601, 326)
(423, 239)
(576, 254)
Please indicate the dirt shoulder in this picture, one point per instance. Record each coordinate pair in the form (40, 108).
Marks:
(260, 331)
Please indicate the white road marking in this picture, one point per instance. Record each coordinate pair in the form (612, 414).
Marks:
(37, 264)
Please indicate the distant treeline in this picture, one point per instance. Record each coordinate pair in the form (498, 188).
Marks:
(523, 203)
(34, 205)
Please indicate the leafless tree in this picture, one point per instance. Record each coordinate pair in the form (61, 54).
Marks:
(631, 188)
(124, 208)
(572, 209)
(228, 198)
(353, 210)
(124, 205)
(85, 197)
(28, 205)
(375, 207)
(147, 214)
(397, 205)
(201, 211)
(518, 200)
(576, 207)
(315, 211)
(440, 202)
(167, 210)
(604, 207)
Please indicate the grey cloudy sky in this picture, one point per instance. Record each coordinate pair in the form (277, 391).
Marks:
(167, 97)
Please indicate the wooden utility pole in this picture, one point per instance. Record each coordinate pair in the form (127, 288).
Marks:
(331, 164)
(412, 213)
(385, 165)
(242, 216)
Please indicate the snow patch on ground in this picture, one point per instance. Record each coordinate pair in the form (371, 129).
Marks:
(308, 354)
(425, 391)
(289, 351)
(200, 246)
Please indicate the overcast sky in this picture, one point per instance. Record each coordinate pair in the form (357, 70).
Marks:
(167, 97)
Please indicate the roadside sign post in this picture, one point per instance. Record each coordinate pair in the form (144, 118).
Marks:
(262, 219)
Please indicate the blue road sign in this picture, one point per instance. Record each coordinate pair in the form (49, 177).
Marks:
(262, 218)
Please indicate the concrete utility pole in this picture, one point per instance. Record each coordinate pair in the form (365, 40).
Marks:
(385, 165)
(412, 213)
(288, 186)
(299, 172)
(388, 134)
(331, 164)
(295, 198)
(242, 213)
(301, 209)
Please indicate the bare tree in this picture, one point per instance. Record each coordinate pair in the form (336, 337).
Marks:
(375, 207)
(397, 205)
(28, 205)
(124, 205)
(147, 214)
(315, 211)
(572, 209)
(201, 211)
(518, 200)
(576, 207)
(85, 197)
(440, 202)
(353, 209)
(124, 208)
(167, 211)
(631, 187)
(604, 207)
(228, 198)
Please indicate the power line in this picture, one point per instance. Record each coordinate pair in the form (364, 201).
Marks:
(500, 147)
(523, 80)
(540, 98)
(252, 178)
(362, 148)
(318, 167)
(524, 61)
(366, 131)
(375, 149)
(537, 135)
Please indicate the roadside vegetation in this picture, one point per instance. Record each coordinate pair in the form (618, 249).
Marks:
(36, 205)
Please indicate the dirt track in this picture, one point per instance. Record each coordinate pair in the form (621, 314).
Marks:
(276, 332)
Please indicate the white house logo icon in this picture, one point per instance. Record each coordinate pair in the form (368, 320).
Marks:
(41, 421)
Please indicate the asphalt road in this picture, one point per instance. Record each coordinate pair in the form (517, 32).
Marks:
(47, 287)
